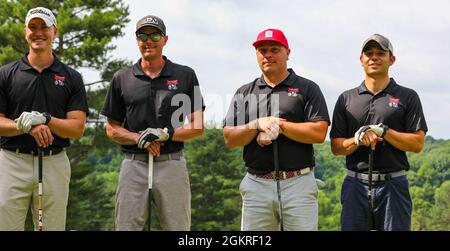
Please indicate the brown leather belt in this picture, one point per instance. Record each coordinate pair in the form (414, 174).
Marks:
(282, 175)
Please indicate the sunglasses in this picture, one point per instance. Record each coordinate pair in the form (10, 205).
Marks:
(155, 36)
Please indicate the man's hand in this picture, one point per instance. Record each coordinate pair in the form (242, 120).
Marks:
(42, 135)
(270, 125)
(149, 135)
(370, 135)
(28, 119)
(263, 139)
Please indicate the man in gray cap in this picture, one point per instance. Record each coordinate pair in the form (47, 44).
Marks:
(143, 121)
(42, 106)
(384, 117)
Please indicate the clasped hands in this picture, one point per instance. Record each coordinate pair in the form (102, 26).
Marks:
(269, 129)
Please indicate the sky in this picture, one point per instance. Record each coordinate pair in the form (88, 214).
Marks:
(214, 37)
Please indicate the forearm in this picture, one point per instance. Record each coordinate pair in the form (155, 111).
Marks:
(408, 142)
(343, 146)
(307, 133)
(239, 136)
(8, 127)
(70, 128)
(186, 133)
(121, 135)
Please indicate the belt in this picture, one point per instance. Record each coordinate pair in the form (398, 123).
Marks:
(282, 175)
(45, 152)
(376, 176)
(162, 157)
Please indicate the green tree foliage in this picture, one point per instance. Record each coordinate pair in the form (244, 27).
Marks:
(85, 29)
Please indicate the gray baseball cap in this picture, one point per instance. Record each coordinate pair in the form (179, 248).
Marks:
(152, 21)
(381, 40)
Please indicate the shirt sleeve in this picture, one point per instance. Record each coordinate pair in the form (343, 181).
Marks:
(3, 100)
(316, 107)
(195, 94)
(339, 125)
(236, 112)
(415, 119)
(78, 100)
(114, 107)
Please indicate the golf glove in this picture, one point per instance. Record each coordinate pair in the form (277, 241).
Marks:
(149, 135)
(379, 130)
(360, 134)
(28, 119)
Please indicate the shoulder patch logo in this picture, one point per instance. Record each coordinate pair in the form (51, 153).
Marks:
(293, 92)
(59, 80)
(393, 102)
(172, 84)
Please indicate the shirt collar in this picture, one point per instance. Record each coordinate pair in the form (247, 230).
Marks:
(390, 88)
(25, 65)
(165, 72)
(288, 81)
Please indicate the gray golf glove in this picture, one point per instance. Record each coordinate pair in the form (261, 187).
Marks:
(379, 130)
(28, 119)
(149, 135)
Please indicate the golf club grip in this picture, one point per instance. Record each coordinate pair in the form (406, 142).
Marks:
(150, 185)
(40, 191)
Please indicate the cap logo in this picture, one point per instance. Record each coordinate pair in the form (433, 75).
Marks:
(268, 34)
(150, 20)
(40, 11)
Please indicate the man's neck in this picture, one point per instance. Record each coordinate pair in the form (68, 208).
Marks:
(40, 61)
(152, 68)
(376, 84)
(275, 79)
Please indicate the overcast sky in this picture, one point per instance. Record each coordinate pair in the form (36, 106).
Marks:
(214, 37)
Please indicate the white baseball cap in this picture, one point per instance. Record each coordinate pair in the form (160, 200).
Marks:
(42, 13)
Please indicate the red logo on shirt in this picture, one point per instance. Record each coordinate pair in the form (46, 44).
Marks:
(293, 92)
(393, 102)
(172, 84)
(59, 80)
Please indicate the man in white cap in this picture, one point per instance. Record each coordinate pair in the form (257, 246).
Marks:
(42, 105)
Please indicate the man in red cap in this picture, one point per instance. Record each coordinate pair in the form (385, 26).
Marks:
(276, 118)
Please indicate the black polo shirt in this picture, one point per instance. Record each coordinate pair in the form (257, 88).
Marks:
(57, 90)
(396, 106)
(139, 102)
(299, 100)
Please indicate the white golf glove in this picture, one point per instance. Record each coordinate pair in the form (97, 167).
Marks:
(379, 130)
(152, 134)
(28, 119)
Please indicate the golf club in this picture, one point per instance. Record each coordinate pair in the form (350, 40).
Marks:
(370, 224)
(277, 178)
(40, 191)
(150, 184)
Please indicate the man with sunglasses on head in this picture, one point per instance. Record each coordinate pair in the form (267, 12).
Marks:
(146, 106)
(42, 105)
(384, 117)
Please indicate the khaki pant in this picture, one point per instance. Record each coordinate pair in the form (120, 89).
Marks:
(171, 195)
(260, 206)
(19, 190)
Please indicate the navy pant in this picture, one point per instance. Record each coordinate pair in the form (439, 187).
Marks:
(392, 205)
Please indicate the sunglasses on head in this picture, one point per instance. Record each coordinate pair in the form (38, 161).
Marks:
(155, 36)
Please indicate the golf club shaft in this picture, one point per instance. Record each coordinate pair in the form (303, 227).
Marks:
(277, 175)
(150, 185)
(40, 191)
(369, 192)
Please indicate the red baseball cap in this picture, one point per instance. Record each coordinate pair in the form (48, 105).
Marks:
(274, 35)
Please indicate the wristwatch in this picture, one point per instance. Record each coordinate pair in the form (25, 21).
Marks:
(385, 128)
(47, 116)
